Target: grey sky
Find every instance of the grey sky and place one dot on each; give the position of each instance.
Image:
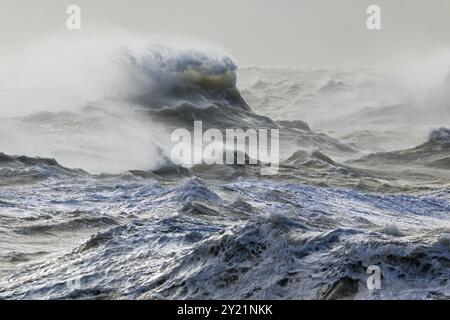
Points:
(304, 33)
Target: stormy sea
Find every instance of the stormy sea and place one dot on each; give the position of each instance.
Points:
(92, 206)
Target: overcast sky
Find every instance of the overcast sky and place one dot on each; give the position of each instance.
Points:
(300, 33)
